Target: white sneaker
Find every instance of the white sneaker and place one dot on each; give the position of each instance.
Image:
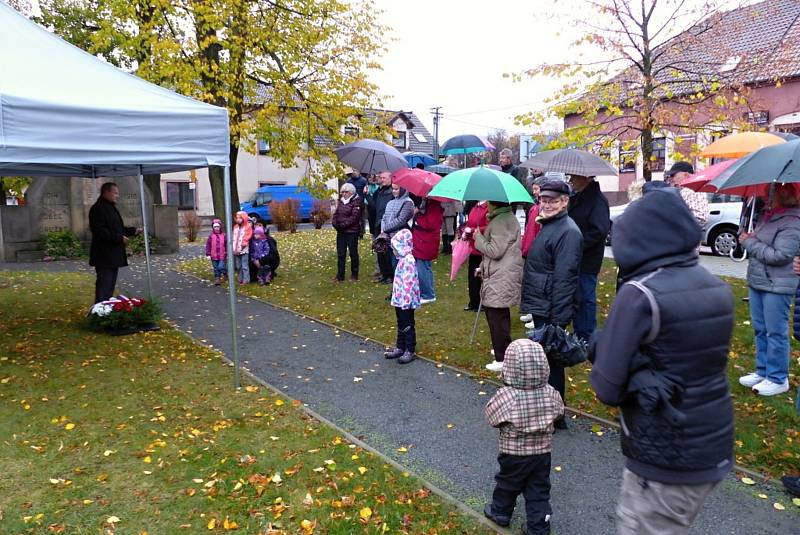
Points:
(527, 318)
(495, 366)
(768, 388)
(530, 325)
(750, 380)
(426, 301)
(491, 352)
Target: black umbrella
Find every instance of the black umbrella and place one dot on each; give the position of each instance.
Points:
(570, 162)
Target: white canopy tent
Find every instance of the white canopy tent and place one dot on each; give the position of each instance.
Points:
(64, 112)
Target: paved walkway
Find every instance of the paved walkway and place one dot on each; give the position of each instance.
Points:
(387, 405)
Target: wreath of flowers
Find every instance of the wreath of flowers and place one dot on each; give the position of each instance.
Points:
(123, 312)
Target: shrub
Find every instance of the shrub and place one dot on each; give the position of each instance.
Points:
(285, 214)
(190, 222)
(62, 244)
(136, 244)
(320, 213)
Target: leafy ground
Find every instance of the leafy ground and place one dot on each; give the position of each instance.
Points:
(145, 434)
(767, 437)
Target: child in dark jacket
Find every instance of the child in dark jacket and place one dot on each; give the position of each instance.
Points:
(217, 252)
(524, 411)
(259, 254)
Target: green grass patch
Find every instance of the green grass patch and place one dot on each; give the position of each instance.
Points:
(145, 434)
(767, 437)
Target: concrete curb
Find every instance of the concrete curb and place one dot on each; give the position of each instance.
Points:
(577, 412)
(444, 495)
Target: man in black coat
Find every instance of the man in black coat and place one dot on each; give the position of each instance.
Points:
(109, 236)
(550, 277)
(588, 207)
(378, 201)
(662, 359)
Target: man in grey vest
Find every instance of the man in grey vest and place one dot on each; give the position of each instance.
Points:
(661, 358)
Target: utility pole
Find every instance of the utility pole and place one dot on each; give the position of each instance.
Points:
(436, 115)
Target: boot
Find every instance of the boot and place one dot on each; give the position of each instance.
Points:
(407, 357)
(217, 281)
(394, 353)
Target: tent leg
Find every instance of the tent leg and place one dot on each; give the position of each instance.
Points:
(231, 275)
(146, 235)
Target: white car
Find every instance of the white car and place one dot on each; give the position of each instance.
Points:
(722, 228)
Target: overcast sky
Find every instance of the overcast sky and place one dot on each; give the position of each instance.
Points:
(453, 54)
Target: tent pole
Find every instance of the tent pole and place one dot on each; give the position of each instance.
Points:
(146, 237)
(231, 274)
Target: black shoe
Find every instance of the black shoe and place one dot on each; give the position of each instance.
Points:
(407, 357)
(470, 308)
(502, 521)
(560, 423)
(387, 281)
(792, 484)
(395, 353)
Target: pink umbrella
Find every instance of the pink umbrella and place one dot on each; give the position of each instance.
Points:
(461, 250)
(416, 181)
(700, 180)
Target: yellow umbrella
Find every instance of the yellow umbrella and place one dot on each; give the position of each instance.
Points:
(738, 145)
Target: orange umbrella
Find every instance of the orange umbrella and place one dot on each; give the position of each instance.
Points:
(738, 145)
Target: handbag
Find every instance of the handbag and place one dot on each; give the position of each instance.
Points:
(563, 348)
(381, 244)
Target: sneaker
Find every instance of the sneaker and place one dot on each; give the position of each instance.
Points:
(530, 326)
(792, 484)
(395, 353)
(407, 357)
(426, 301)
(495, 366)
(750, 380)
(560, 423)
(491, 352)
(527, 318)
(502, 521)
(768, 388)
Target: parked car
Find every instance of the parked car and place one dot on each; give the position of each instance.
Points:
(258, 204)
(720, 231)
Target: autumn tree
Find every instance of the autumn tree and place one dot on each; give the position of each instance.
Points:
(288, 71)
(653, 66)
(502, 140)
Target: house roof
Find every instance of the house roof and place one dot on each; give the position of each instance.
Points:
(416, 130)
(748, 45)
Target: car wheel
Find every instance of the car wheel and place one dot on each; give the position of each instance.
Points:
(723, 241)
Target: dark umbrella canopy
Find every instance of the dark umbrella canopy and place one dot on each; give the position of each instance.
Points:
(465, 144)
(441, 169)
(774, 164)
(570, 162)
(371, 156)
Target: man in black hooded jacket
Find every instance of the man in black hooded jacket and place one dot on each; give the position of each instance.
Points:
(661, 358)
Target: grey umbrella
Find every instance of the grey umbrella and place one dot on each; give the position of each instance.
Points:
(570, 162)
(371, 156)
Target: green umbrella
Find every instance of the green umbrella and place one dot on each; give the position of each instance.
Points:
(480, 184)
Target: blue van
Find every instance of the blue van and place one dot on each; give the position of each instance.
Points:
(258, 205)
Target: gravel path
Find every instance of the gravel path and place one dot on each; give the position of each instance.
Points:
(435, 413)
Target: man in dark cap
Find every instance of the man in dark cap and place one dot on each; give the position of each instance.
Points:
(697, 202)
(662, 359)
(550, 276)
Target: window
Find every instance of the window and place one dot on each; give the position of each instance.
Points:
(263, 146)
(627, 161)
(179, 194)
(399, 140)
(659, 157)
(351, 131)
(421, 138)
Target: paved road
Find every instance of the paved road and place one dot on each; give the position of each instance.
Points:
(718, 265)
(346, 380)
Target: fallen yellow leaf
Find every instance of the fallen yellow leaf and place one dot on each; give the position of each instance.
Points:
(796, 501)
(277, 478)
(70, 426)
(762, 496)
(108, 452)
(748, 481)
(365, 513)
(212, 524)
(308, 501)
(112, 520)
(778, 506)
(362, 470)
(229, 524)
(402, 449)
(251, 388)
(278, 402)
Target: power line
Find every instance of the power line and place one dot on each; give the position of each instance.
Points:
(448, 118)
(494, 109)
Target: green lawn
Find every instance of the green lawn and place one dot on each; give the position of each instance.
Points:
(145, 434)
(767, 428)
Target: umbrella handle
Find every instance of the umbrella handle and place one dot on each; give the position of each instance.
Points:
(475, 325)
(733, 257)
